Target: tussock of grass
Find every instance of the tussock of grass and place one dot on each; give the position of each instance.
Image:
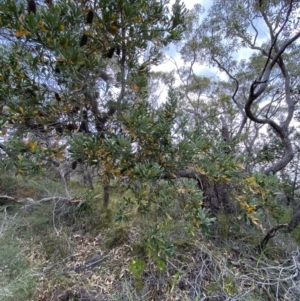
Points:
(17, 277)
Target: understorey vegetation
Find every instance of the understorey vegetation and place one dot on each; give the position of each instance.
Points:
(131, 174)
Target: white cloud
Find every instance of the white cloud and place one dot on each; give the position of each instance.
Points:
(190, 3)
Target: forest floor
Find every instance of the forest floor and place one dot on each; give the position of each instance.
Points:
(54, 247)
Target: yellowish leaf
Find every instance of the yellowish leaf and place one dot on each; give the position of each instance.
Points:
(33, 146)
(117, 173)
(21, 110)
(113, 28)
(60, 59)
(65, 108)
(144, 202)
(250, 180)
(240, 165)
(200, 170)
(4, 131)
(181, 190)
(226, 179)
(251, 208)
(109, 168)
(22, 32)
(135, 88)
(144, 192)
(168, 216)
(137, 19)
(60, 154)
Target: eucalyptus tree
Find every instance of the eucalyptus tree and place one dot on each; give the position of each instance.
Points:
(265, 82)
(249, 115)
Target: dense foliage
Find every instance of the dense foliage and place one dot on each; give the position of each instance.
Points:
(217, 152)
(77, 86)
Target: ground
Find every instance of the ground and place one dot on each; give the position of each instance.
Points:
(55, 248)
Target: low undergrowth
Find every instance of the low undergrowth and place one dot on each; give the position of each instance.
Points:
(58, 248)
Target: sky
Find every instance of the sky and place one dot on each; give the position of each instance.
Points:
(190, 3)
(172, 55)
(204, 70)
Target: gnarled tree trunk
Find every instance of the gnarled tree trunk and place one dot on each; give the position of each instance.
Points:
(215, 194)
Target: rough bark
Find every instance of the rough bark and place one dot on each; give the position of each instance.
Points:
(215, 195)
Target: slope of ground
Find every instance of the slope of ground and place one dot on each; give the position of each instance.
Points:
(54, 247)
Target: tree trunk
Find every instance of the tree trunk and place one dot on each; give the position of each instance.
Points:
(106, 194)
(215, 195)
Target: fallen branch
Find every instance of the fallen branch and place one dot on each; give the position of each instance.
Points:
(4, 221)
(5, 199)
(54, 198)
(293, 223)
(271, 233)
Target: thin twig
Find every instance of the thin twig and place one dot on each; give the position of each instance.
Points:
(4, 220)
